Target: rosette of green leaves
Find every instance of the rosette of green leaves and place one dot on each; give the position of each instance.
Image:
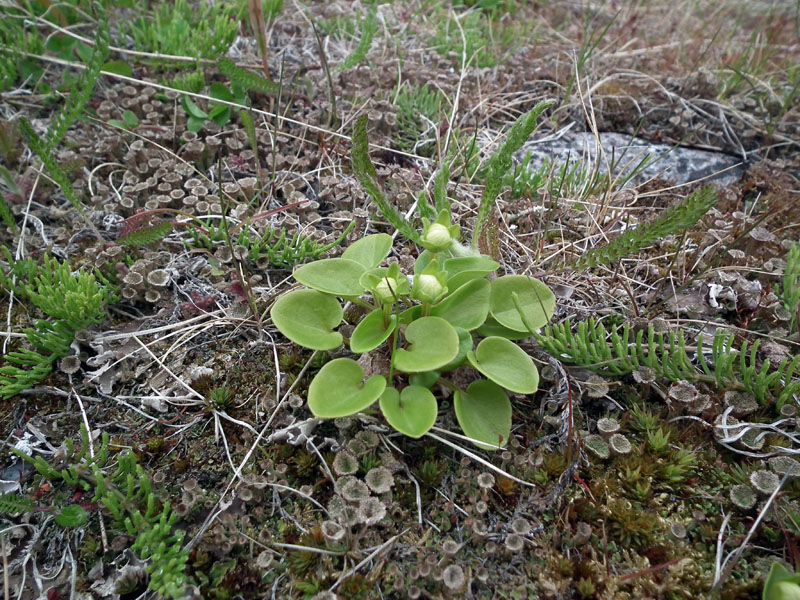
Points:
(452, 316)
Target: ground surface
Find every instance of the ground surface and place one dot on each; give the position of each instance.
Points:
(186, 370)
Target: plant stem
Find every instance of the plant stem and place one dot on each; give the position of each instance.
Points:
(395, 335)
(449, 384)
(331, 93)
(239, 266)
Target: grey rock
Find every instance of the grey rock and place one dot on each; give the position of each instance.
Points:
(623, 153)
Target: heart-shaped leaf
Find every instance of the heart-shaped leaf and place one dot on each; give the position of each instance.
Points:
(336, 276)
(467, 307)
(371, 332)
(412, 412)
(464, 346)
(369, 251)
(338, 390)
(534, 298)
(307, 317)
(492, 327)
(465, 268)
(506, 364)
(484, 413)
(433, 344)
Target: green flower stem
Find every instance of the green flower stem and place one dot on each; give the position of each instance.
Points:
(449, 384)
(363, 304)
(395, 335)
(522, 315)
(387, 313)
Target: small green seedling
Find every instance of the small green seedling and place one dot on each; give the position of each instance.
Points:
(129, 121)
(448, 315)
(218, 112)
(781, 585)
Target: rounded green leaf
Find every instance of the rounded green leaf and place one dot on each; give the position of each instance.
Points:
(307, 317)
(371, 332)
(432, 344)
(492, 327)
(412, 412)
(411, 314)
(535, 299)
(72, 516)
(118, 67)
(423, 260)
(467, 307)
(506, 364)
(465, 268)
(464, 346)
(192, 108)
(484, 413)
(338, 390)
(780, 584)
(369, 251)
(219, 91)
(426, 379)
(336, 276)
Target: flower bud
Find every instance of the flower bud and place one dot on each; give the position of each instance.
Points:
(437, 238)
(439, 235)
(386, 290)
(427, 288)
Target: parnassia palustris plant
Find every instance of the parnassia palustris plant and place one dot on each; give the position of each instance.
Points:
(448, 314)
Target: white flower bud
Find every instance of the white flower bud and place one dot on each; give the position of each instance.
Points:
(386, 289)
(428, 288)
(437, 238)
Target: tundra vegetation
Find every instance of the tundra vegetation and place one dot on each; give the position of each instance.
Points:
(294, 307)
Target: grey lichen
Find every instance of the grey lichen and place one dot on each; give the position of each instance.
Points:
(765, 482)
(454, 578)
(521, 526)
(781, 465)
(597, 446)
(607, 427)
(158, 278)
(69, 364)
(741, 404)
(333, 532)
(371, 511)
(352, 489)
(345, 463)
(743, 496)
(683, 394)
(380, 480)
(514, 543)
(619, 445)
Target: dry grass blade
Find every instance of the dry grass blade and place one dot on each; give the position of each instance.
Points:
(259, 28)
